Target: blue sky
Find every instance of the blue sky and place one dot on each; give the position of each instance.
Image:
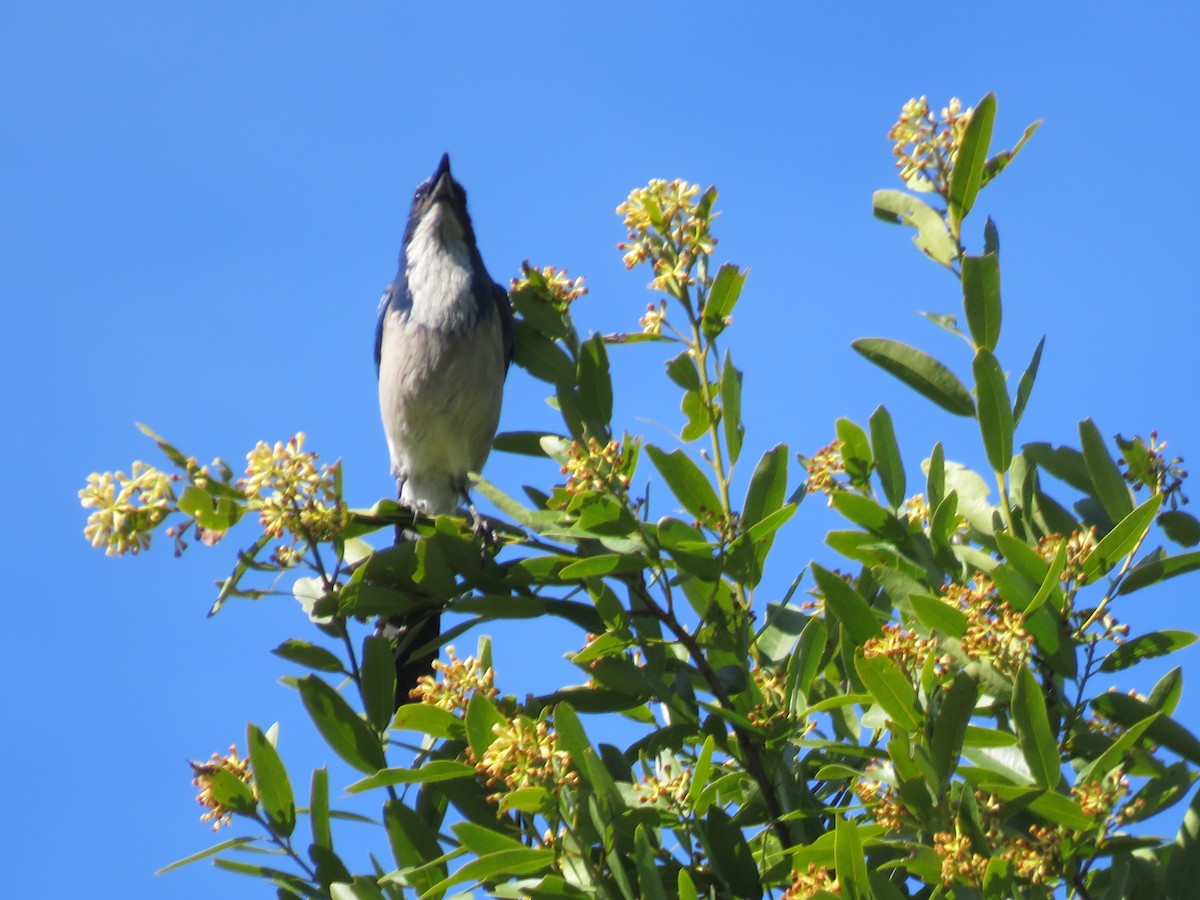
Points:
(201, 203)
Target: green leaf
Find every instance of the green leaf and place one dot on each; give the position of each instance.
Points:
(1158, 568)
(995, 411)
(935, 476)
(602, 564)
(851, 866)
(345, 733)
(730, 854)
(309, 655)
(1025, 385)
(230, 791)
(1182, 528)
(231, 844)
(649, 883)
(686, 482)
(1122, 540)
(271, 778)
(414, 846)
(481, 716)
(1033, 729)
(847, 606)
(1183, 865)
(997, 163)
(991, 238)
(1128, 711)
(887, 457)
(540, 356)
(523, 443)
(856, 450)
(1064, 463)
(1108, 484)
(966, 178)
(433, 771)
(981, 299)
(1115, 755)
(595, 384)
(682, 371)
(731, 407)
(426, 719)
(722, 297)
(891, 689)
(480, 840)
(522, 861)
(870, 515)
(955, 708)
(938, 615)
(318, 808)
(1146, 646)
(1164, 791)
(378, 681)
(768, 486)
(932, 237)
(920, 371)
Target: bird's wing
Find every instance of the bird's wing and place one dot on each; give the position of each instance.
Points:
(504, 308)
(385, 303)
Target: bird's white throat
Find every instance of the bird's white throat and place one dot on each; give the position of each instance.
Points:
(439, 271)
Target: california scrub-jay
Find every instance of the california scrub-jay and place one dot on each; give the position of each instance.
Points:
(443, 344)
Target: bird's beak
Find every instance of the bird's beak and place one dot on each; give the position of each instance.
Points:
(442, 180)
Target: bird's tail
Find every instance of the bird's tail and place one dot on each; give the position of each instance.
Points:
(413, 637)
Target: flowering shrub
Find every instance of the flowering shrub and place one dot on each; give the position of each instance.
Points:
(925, 724)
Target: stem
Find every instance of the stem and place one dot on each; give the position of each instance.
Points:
(746, 740)
(285, 845)
(1113, 584)
(1005, 512)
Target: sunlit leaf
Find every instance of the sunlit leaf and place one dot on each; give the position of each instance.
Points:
(1025, 385)
(1107, 482)
(920, 371)
(887, 456)
(346, 734)
(932, 237)
(966, 178)
(271, 779)
(1033, 729)
(686, 481)
(981, 299)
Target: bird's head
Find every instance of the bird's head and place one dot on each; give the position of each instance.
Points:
(439, 210)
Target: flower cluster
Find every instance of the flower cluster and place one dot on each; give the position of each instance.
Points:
(1079, 547)
(883, 803)
(904, 647)
(655, 316)
(824, 467)
(202, 778)
(926, 148)
(663, 785)
(593, 466)
(994, 631)
(1098, 798)
(127, 509)
(524, 754)
(959, 861)
(771, 684)
(461, 679)
(1147, 466)
(1037, 859)
(294, 496)
(813, 880)
(669, 225)
(550, 285)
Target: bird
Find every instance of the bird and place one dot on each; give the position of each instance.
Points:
(443, 346)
